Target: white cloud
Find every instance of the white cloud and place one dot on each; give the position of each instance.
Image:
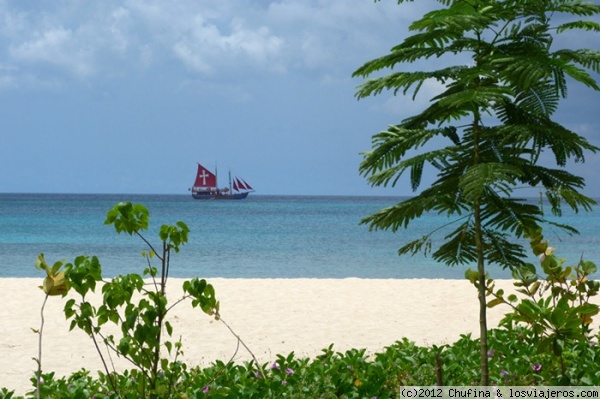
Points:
(204, 36)
(259, 44)
(336, 35)
(204, 46)
(57, 47)
(120, 21)
(191, 58)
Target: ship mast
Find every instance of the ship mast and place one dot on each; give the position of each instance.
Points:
(216, 178)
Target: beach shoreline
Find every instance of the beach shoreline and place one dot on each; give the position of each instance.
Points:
(272, 316)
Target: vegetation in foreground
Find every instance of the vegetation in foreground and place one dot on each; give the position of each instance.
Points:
(355, 374)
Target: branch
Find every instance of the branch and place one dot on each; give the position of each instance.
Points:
(148, 244)
(39, 359)
(241, 342)
(108, 375)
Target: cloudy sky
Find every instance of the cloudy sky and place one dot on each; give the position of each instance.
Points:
(127, 96)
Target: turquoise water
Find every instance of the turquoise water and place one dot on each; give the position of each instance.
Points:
(260, 237)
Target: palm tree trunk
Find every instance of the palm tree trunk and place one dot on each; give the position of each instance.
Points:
(482, 297)
(485, 377)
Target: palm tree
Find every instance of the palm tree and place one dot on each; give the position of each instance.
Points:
(484, 133)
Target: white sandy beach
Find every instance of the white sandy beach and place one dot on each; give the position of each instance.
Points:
(273, 316)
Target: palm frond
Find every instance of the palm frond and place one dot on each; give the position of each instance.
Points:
(386, 163)
(574, 7)
(543, 133)
(478, 178)
(439, 159)
(589, 26)
(458, 247)
(570, 230)
(509, 214)
(581, 76)
(399, 54)
(540, 99)
(499, 250)
(574, 199)
(392, 144)
(400, 215)
(550, 178)
(435, 40)
(422, 244)
(458, 18)
(403, 81)
(587, 58)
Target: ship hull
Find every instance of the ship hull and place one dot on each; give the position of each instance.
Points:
(219, 196)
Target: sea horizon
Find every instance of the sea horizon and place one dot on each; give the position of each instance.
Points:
(263, 236)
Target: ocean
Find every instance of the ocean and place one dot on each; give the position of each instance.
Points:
(260, 237)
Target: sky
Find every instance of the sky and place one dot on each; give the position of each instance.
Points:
(128, 96)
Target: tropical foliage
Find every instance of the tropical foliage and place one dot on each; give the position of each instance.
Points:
(557, 309)
(353, 373)
(487, 131)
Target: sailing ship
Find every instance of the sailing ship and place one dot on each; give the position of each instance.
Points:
(206, 188)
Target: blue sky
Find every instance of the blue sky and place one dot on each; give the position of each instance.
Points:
(127, 96)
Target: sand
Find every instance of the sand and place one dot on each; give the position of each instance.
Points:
(272, 316)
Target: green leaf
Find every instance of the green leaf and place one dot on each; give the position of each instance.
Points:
(588, 267)
(588, 309)
(540, 248)
(494, 302)
(472, 276)
(127, 217)
(124, 346)
(169, 328)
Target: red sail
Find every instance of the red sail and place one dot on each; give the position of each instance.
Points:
(239, 184)
(246, 184)
(235, 186)
(205, 178)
